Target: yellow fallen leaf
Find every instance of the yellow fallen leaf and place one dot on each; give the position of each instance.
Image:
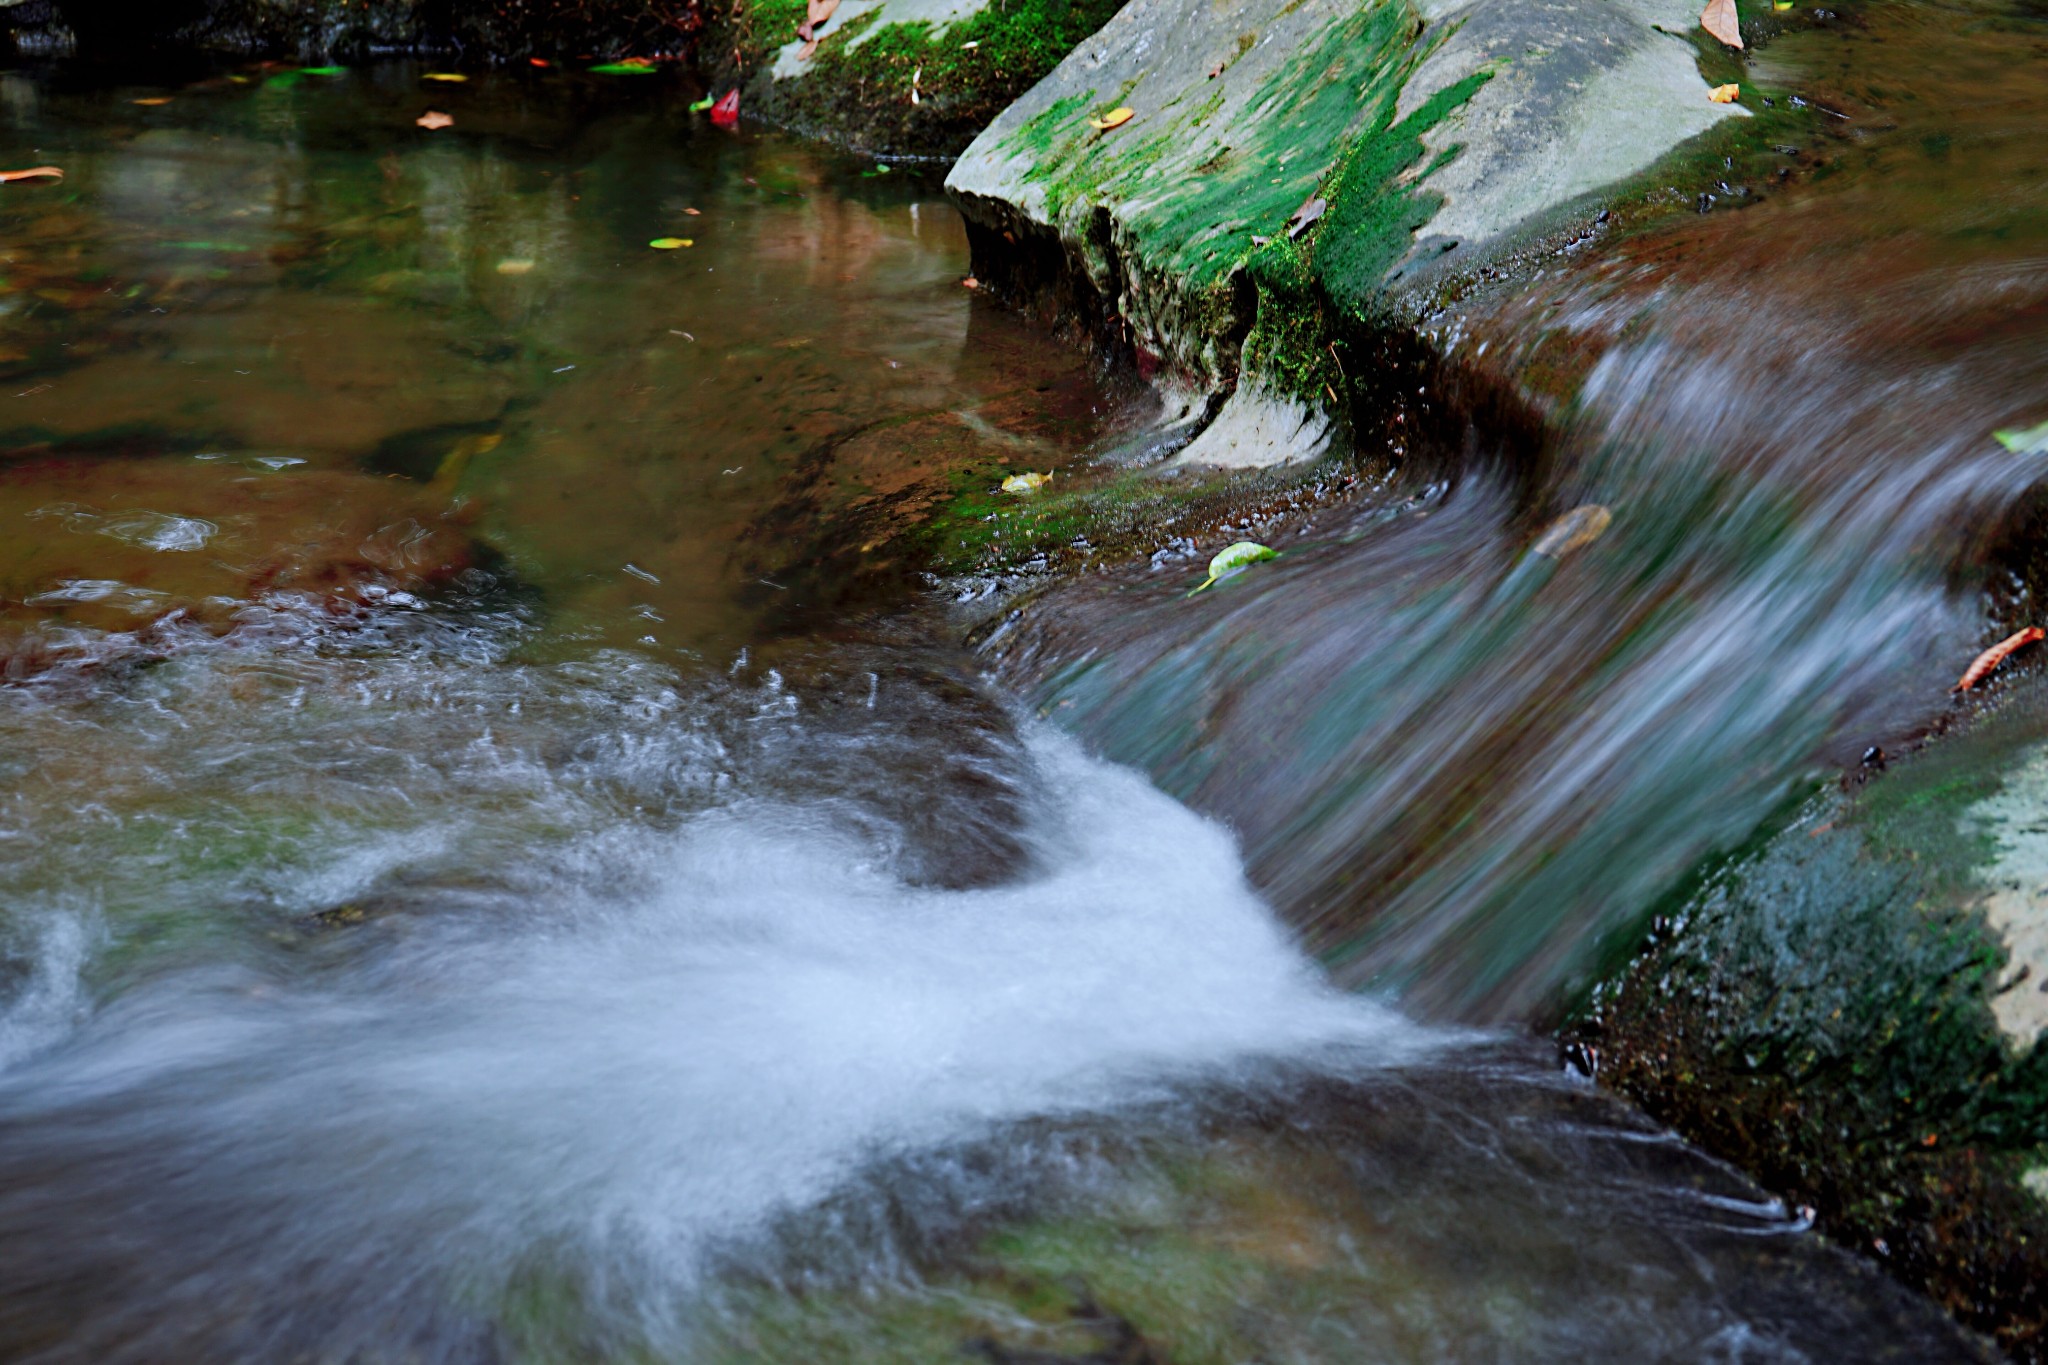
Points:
(1115, 118)
(670, 243)
(1781, 5)
(1719, 18)
(1026, 483)
(449, 76)
(1724, 94)
(434, 118)
(515, 266)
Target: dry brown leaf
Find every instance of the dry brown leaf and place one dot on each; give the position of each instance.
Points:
(1994, 656)
(434, 118)
(1724, 94)
(1719, 18)
(34, 173)
(1311, 209)
(816, 13)
(1573, 531)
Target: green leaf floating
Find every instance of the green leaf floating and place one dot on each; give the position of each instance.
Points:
(2032, 441)
(322, 70)
(701, 105)
(623, 69)
(1230, 560)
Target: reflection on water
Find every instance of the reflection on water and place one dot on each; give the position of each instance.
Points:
(482, 883)
(283, 309)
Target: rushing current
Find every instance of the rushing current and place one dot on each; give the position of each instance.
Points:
(494, 867)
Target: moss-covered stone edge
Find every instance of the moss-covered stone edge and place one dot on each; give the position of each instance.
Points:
(1815, 1008)
(857, 87)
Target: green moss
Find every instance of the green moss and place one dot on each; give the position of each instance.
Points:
(1218, 199)
(859, 82)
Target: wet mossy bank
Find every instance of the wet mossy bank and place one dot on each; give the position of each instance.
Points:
(1851, 1012)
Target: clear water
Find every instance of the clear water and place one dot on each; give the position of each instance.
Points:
(489, 874)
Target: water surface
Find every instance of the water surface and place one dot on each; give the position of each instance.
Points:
(492, 874)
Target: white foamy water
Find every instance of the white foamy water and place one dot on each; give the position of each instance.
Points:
(629, 1078)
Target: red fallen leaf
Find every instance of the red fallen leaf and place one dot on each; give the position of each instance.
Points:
(1719, 18)
(726, 113)
(34, 173)
(537, 61)
(1994, 656)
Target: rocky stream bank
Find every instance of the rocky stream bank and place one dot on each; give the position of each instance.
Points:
(1412, 281)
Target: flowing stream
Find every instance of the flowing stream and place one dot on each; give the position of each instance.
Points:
(493, 871)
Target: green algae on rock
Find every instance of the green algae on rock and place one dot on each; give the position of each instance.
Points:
(903, 78)
(1187, 223)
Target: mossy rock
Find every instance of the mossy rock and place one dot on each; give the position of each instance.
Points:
(1852, 1013)
(895, 78)
(1289, 167)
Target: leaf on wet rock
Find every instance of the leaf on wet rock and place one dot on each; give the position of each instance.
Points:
(671, 243)
(1026, 482)
(1575, 530)
(34, 173)
(434, 118)
(1115, 118)
(1233, 559)
(1312, 208)
(1724, 94)
(1719, 18)
(2030, 441)
(1994, 656)
(816, 13)
(726, 113)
